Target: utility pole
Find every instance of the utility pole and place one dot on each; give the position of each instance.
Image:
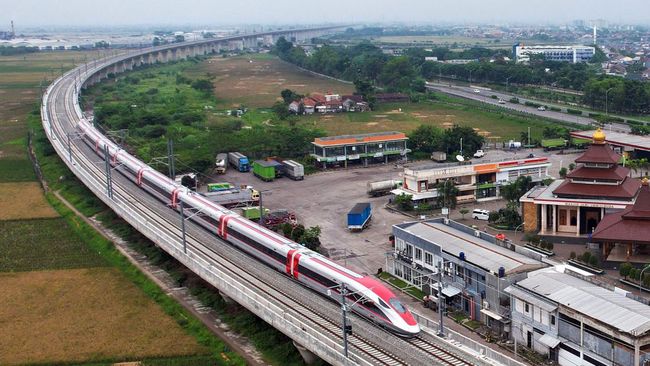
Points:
(109, 180)
(170, 159)
(261, 210)
(183, 226)
(528, 135)
(441, 328)
(344, 292)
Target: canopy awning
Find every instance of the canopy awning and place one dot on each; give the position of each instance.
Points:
(450, 291)
(549, 340)
(492, 315)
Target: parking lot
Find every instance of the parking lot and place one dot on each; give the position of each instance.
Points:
(325, 198)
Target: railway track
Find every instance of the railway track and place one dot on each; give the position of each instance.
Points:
(378, 355)
(168, 223)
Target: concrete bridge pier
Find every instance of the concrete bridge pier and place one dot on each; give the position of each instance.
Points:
(306, 354)
(227, 299)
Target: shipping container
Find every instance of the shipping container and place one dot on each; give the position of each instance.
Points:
(253, 213)
(239, 161)
(223, 186)
(264, 170)
(221, 162)
(439, 156)
(293, 170)
(359, 216)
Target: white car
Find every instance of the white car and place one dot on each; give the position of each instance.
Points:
(501, 101)
(479, 154)
(541, 108)
(476, 91)
(479, 214)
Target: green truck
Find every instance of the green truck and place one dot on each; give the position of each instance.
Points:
(265, 170)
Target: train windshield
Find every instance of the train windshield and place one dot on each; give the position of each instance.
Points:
(397, 305)
(383, 304)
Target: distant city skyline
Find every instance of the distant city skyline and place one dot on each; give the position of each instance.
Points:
(68, 13)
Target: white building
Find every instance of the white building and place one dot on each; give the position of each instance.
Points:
(577, 322)
(572, 54)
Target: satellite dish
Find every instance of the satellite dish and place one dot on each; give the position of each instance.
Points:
(460, 158)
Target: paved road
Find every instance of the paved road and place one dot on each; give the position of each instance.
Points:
(485, 96)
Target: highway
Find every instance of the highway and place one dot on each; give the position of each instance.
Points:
(485, 96)
(309, 319)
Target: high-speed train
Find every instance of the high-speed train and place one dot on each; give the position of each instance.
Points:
(370, 297)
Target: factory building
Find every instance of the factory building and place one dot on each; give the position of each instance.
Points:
(573, 54)
(370, 148)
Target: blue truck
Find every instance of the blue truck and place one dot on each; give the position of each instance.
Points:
(359, 216)
(239, 161)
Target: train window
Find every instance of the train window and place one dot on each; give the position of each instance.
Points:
(397, 305)
(383, 304)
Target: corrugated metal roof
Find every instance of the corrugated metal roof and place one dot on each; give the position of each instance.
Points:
(477, 251)
(529, 298)
(599, 303)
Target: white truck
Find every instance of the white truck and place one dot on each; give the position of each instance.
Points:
(221, 162)
(383, 187)
(479, 154)
(233, 196)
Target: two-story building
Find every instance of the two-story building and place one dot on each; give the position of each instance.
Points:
(475, 267)
(475, 181)
(378, 147)
(576, 321)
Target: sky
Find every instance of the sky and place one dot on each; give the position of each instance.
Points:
(30, 13)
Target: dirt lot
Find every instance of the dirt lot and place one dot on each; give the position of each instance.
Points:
(90, 314)
(256, 80)
(324, 199)
(23, 201)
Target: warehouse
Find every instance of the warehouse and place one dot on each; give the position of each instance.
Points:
(476, 267)
(370, 148)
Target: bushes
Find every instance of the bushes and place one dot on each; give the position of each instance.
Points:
(555, 109)
(576, 112)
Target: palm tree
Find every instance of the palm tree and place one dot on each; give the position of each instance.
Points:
(447, 193)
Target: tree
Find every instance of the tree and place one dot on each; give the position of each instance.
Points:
(463, 211)
(282, 46)
(425, 138)
(289, 96)
(514, 190)
(625, 269)
(156, 41)
(563, 172)
(471, 140)
(311, 238)
(280, 110)
(404, 202)
(203, 85)
(447, 192)
(179, 38)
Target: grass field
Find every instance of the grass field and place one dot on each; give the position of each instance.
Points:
(23, 201)
(494, 126)
(28, 245)
(257, 80)
(83, 315)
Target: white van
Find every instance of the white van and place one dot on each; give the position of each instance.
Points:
(479, 214)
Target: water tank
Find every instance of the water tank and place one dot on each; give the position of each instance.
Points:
(502, 272)
(462, 256)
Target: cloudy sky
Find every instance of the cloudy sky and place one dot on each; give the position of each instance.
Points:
(216, 12)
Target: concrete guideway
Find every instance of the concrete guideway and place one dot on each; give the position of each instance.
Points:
(271, 296)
